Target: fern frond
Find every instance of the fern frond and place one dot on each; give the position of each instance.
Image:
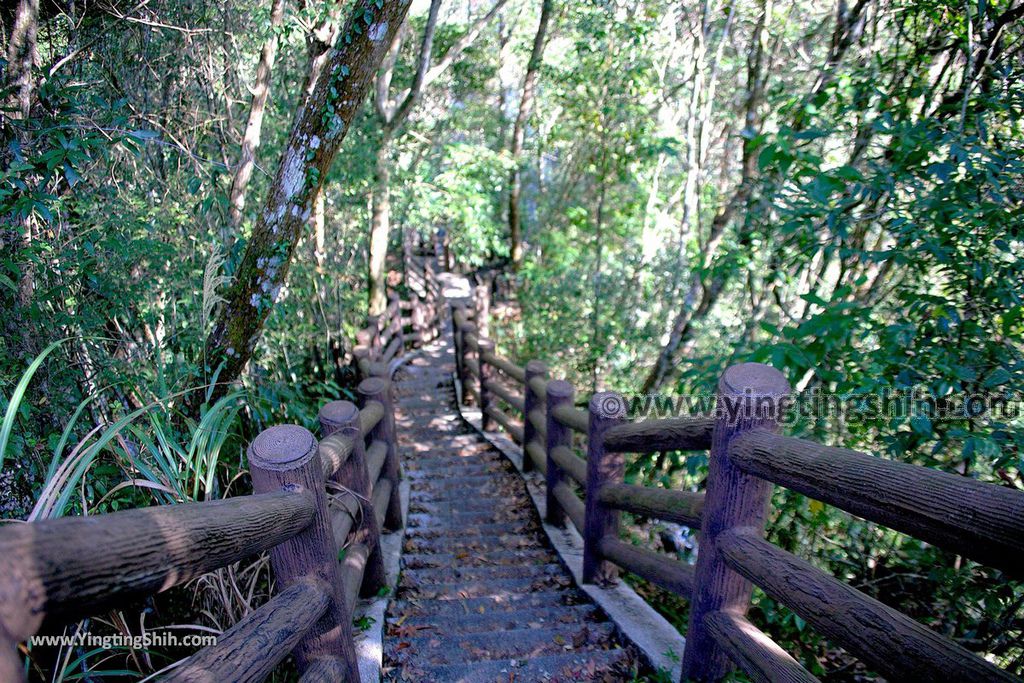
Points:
(213, 281)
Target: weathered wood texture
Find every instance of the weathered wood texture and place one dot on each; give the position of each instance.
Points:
(670, 574)
(285, 457)
(506, 422)
(485, 348)
(251, 649)
(505, 366)
(537, 456)
(570, 463)
(982, 521)
(533, 406)
(602, 468)
(557, 393)
(378, 390)
(652, 436)
(571, 416)
(66, 569)
(889, 641)
(573, 507)
(682, 507)
(342, 417)
(498, 389)
(757, 654)
(750, 397)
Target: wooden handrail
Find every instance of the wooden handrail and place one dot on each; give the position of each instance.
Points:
(507, 367)
(757, 654)
(502, 392)
(672, 575)
(652, 436)
(251, 649)
(888, 640)
(65, 569)
(982, 521)
(681, 507)
(571, 417)
(571, 464)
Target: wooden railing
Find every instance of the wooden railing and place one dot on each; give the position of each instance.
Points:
(318, 507)
(747, 458)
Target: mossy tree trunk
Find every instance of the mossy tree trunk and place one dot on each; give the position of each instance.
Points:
(316, 135)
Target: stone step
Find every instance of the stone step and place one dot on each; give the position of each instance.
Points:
(440, 544)
(411, 578)
(532, 618)
(482, 588)
(512, 528)
(441, 648)
(487, 604)
(606, 665)
(464, 518)
(467, 558)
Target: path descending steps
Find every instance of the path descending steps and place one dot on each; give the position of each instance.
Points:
(482, 596)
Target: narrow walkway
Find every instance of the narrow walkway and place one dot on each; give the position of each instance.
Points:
(482, 595)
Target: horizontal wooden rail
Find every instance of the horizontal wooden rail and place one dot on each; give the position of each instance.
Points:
(353, 565)
(539, 422)
(335, 451)
(473, 367)
(887, 640)
(536, 453)
(539, 386)
(757, 654)
(571, 504)
(670, 574)
(376, 454)
(572, 417)
(370, 415)
(381, 496)
(652, 436)
(252, 648)
(571, 464)
(681, 507)
(982, 521)
(507, 367)
(506, 422)
(65, 569)
(502, 392)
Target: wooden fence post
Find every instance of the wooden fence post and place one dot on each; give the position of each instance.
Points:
(343, 417)
(470, 348)
(482, 305)
(486, 375)
(606, 409)
(559, 392)
(459, 310)
(531, 401)
(750, 396)
(379, 389)
(286, 457)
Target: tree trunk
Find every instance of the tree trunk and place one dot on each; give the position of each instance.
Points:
(316, 135)
(519, 134)
(701, 297)
(21, 54)
(380, 226)
(254, 127)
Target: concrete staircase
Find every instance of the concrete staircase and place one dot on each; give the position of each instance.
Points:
(482, 595)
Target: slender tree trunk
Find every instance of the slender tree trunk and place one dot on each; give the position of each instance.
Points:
(21, 54)
(254, 126)
(316, 135)
(380, 226)
(701, 297)
(519, 133)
